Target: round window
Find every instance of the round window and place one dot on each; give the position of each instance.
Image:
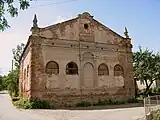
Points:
(86, 26)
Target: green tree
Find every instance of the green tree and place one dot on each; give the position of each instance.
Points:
(1, 82)
(146, 66)
(17, 52)
(4, 82)
(11, 81)
(9, 6)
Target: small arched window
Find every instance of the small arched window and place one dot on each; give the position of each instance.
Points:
(71, 68)
(52, 68)
(103, 70)
(118, 70)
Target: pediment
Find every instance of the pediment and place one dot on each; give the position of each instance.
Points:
(83, 28)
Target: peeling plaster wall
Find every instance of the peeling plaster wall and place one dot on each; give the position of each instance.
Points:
(62, 57)
(103, 35)
(67, 31)
(25, 80)
(74, 30)
(110, 81)
(91, 46)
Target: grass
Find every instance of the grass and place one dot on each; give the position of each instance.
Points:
(105, 102)
(32, 104)
(39, 104)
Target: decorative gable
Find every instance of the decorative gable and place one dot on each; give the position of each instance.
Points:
(86, 27)
(81, 28)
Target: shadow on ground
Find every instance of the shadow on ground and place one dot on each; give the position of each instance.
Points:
(104, 107)
(132, 105)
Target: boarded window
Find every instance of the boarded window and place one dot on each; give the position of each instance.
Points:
(52, 68)
(103, 69)
(118, 70)
(71, 68)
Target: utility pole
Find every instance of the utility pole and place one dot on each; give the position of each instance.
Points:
(12, 65)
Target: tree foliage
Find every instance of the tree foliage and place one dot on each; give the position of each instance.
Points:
(10, 82)
(9, 6)
(146, 66)
(1, 82)
(17, 52)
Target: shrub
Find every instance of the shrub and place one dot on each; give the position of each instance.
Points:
(158, 90)
(132, 100)
(155, 90)
(38, 104)
(140, 98)
(33, 104)
(100, 102)
(156, 114)
(114, 102)
(150, 91)
(83, 104)
(20, 103)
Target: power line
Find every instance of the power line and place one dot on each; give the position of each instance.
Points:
(41, 0)
(54, 3)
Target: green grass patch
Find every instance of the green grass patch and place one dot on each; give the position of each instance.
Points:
(83, 104)
(33, 104)
(39, 104)
(105, 102)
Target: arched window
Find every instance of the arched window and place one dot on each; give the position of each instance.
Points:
(52, 68)
(27, 70)
(71, 68)
(118, 70)
(103, 69)
(24, 77)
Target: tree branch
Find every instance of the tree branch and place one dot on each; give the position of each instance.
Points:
(146, 83)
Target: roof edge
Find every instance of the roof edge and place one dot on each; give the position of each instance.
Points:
(26, 46)
(54, 25)
(109, 29)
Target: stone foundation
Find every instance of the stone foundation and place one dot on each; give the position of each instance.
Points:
(63, 98)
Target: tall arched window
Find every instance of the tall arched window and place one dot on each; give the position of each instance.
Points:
(27, 70)
(118, 70)
(71, 68)
(24, 77)
(52, 68)
(103, 70)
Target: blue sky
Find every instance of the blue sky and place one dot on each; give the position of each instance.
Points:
(141, 17)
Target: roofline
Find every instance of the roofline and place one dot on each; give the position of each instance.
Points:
(54, 25)
(26, 46)
(109, 29)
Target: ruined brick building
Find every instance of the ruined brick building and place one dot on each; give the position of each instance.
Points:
(79, 59)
